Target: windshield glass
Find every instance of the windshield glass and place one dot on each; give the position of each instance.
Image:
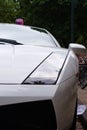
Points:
(27, 35)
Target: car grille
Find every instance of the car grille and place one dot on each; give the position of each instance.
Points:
(38, 115)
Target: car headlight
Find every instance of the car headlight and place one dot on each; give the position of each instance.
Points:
(47, 72)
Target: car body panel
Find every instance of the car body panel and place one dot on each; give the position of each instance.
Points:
(19, 62)
(10, 94)
(67, 88)
(14, 58)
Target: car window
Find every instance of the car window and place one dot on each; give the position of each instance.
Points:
(27, 35)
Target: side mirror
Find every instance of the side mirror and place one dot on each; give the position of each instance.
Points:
(80, 50)
(77, 48)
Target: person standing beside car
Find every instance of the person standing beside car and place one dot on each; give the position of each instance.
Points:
(19, 21)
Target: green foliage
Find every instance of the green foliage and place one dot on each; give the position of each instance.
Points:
(7, 11)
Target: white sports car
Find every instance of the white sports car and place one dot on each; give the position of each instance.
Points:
(38, 80)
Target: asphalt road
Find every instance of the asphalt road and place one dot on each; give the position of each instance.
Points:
(82, 99)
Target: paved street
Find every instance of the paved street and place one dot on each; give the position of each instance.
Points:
(82, 99)
(79, 126)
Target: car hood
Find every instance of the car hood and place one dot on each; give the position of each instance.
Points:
(17, 62)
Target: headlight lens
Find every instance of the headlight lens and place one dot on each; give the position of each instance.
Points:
(47, 72)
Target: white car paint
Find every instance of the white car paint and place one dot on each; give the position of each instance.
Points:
(17, 62)
(66, 93)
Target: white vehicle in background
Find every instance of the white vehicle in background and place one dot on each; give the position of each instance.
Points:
(38, 80)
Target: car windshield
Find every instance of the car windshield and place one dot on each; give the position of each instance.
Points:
(26, 35)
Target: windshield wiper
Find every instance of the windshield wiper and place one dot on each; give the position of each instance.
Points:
(10, 41)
